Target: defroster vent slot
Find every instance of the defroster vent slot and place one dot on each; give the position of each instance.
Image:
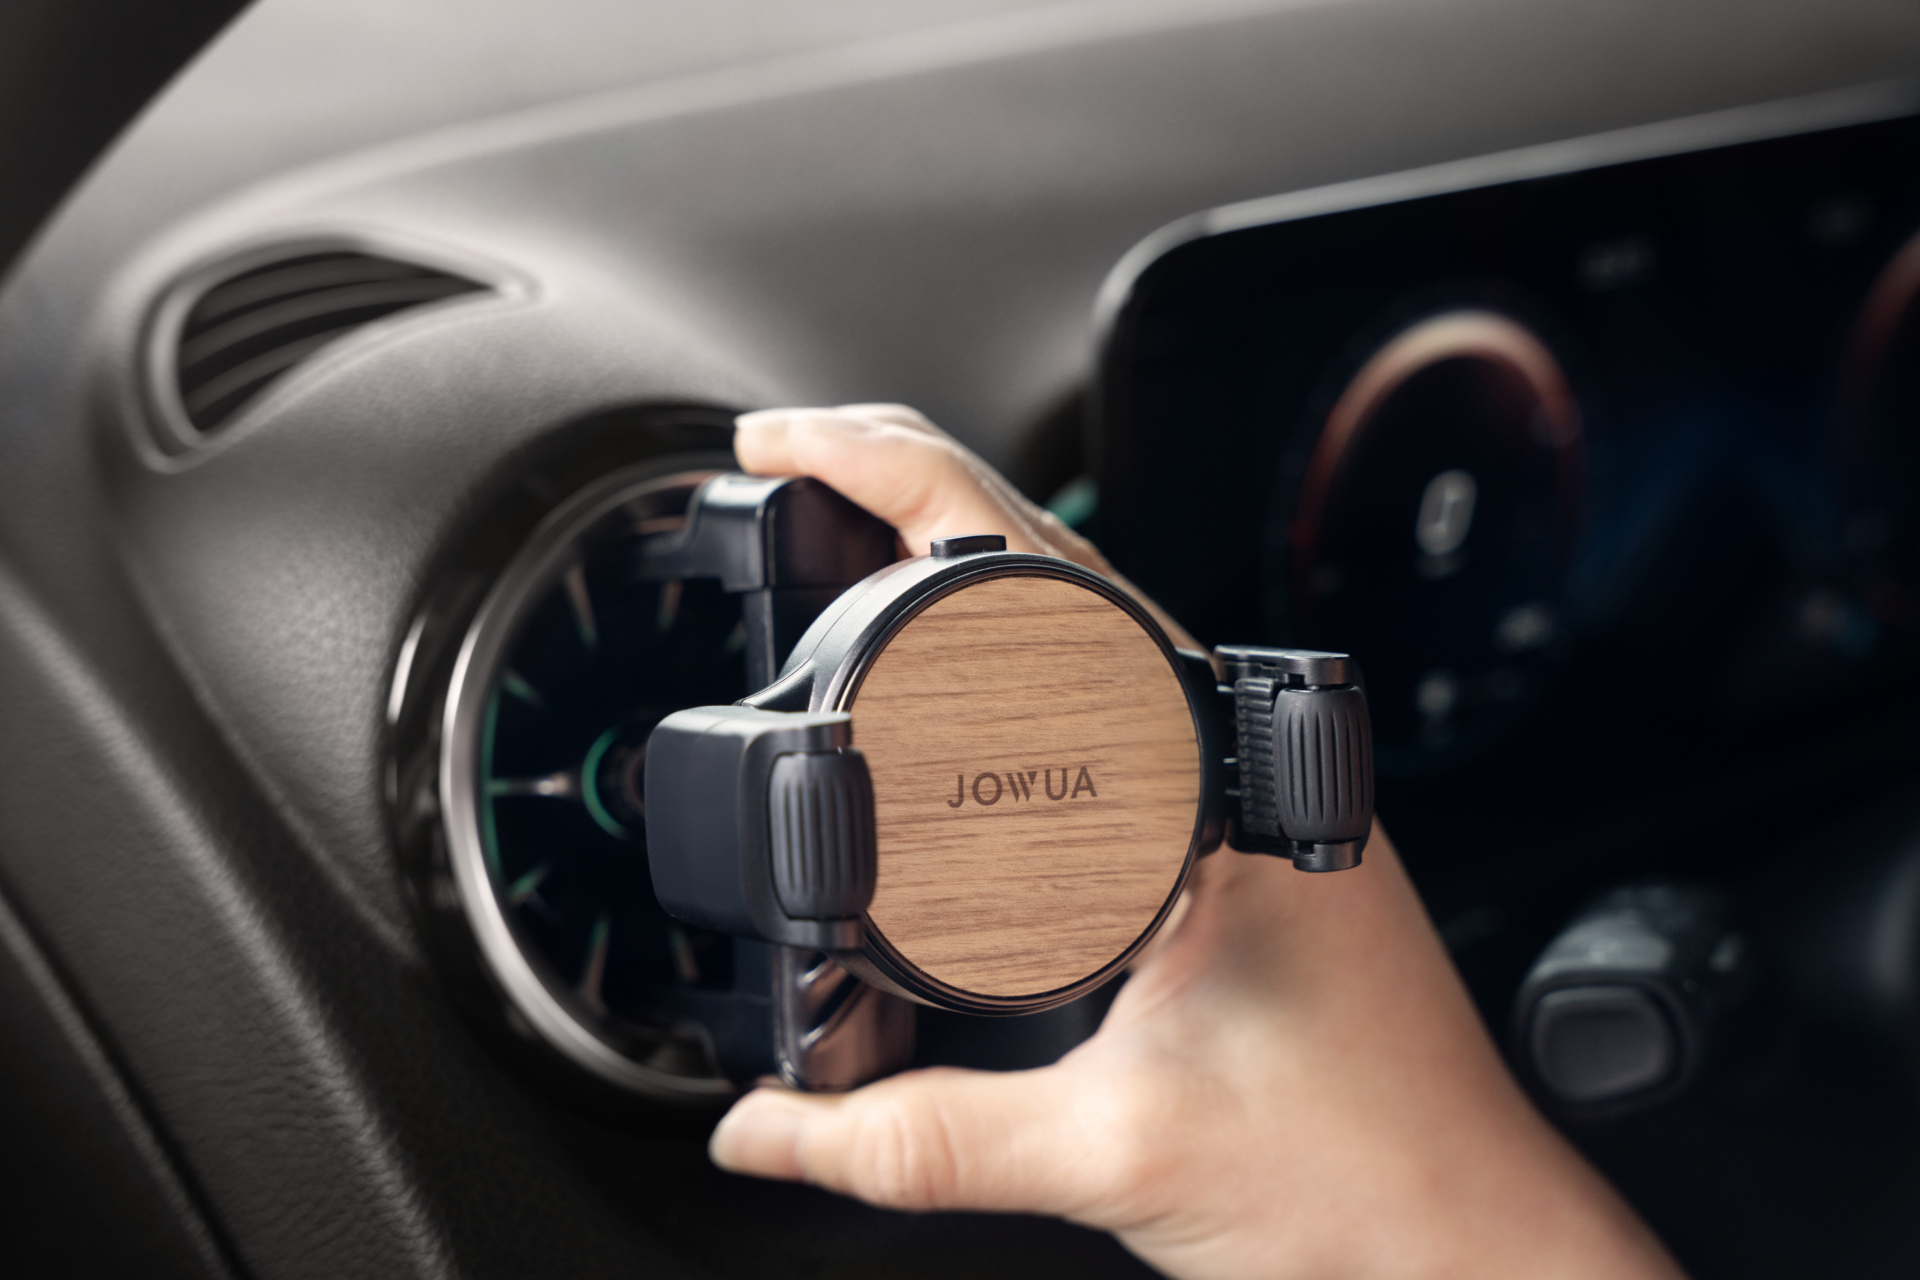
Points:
(243, 334)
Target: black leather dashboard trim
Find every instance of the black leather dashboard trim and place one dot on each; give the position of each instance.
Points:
(85, 1162)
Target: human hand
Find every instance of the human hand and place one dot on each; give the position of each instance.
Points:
(923, 482)
(1292, 1081)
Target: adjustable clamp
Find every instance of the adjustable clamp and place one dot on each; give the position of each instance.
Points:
(1303, 762)
(786, 547)
(760, 824)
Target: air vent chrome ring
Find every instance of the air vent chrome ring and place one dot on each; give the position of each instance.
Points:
(565, 667)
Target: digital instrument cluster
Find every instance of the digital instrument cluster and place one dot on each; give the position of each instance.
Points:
(1603, 459)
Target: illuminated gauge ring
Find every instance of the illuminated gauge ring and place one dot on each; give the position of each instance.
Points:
(571, 602)
(1879, 443)
(1385, 555)
(1887, 311)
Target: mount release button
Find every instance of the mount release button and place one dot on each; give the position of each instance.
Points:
(968, 545)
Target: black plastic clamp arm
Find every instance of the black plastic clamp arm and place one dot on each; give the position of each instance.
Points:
(786, 545)
(1304, 756)
(763, 824)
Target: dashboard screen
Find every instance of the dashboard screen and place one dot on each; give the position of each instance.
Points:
(1609, 478)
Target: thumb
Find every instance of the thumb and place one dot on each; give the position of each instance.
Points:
(938, 1139)
(891, 462)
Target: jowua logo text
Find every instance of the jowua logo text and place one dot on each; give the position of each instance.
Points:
(1070, 783)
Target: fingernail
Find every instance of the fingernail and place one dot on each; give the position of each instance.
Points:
(761, 1135)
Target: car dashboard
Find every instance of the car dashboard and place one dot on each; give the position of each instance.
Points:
(1560, 367)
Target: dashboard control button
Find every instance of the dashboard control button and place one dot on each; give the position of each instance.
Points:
(1598, 1043)
(1624, 1008)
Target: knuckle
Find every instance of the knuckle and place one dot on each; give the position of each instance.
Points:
(910, 1160)
(1134, 1161)
(908, 416)
(941, 486)
(1139, 1124)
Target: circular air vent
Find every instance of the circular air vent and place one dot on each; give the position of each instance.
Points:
(523, 699)
(570, 663)
(220, 346)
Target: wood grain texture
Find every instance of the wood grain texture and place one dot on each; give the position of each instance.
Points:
(1036, 777)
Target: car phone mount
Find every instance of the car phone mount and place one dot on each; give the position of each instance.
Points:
(1038, 767)
(787, 548)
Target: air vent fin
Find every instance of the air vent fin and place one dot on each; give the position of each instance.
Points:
(244, 333)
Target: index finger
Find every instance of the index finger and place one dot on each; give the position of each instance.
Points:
(907, 473)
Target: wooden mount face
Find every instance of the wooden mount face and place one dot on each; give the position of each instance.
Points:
(1036, 779)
